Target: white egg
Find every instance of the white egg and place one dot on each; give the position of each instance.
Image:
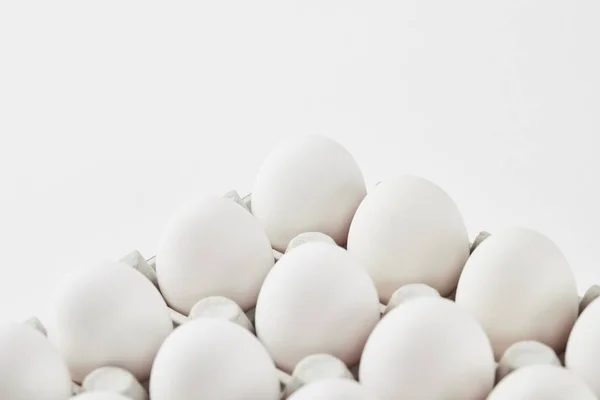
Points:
(543, 382)
(100, 396)
(428, 348)
(333, 389)
(212, 247)
(317, 299)
(583, 347)
(307, 184)
(210, 358)
(408, 230)
(30, 367)
(109, 314)
(519, 286)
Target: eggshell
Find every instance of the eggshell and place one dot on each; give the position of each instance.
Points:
(583, 347)
(212, 247)
(333, 389)
(408, 230)
(30, 367)
(210, 358)
(100, 396)
(317, 299)
(307, 184)
(109, 314)
(428, 348)
(519, 286)
(543, 382)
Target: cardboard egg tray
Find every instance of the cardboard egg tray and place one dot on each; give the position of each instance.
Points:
(285, 379)
(289, 383)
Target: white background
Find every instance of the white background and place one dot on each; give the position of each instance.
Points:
(113, 112)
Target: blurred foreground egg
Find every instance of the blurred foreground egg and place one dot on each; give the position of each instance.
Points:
(308, 184)
(543, 382)
(30, 367)
(209, 358)
(108, 315)
(212, 247)
(519, 286)
(332, 389)
(100, 396)
(317, 299)
(428, 348)
(583, 347)
(408, 230)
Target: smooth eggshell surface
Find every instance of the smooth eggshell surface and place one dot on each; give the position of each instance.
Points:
(209, 358)
(307, 184)
(30, 367)
(317, 299)
(212, 247)
(333, 389)
(543, 382)
(428, 348)
(583, 347)
(109, 314)
(519, 286)
(408, 230)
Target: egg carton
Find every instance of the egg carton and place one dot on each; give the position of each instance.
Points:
(313, 367)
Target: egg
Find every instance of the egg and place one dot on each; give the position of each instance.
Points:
(428, 348)
(332, 389)
(583, 348)
(30, 367)
(307, 184)
(210, 358)
(408, 230)
(547, 382)
(109, 314)
(100, 396)
(212, 247)
(519, 286)
(317, 299)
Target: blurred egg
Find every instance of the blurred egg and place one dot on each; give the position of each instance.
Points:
(100, 396)
(307, 184)
(210, 358)
(519, 286)
(212, 247)
(428, 348)
(317, 299)
(332, 389)
(30, 367)
(543, 382)
(408, 230)
(583, 347)
(109, 314)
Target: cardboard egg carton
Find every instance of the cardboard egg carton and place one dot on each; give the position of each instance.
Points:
(313, 367)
